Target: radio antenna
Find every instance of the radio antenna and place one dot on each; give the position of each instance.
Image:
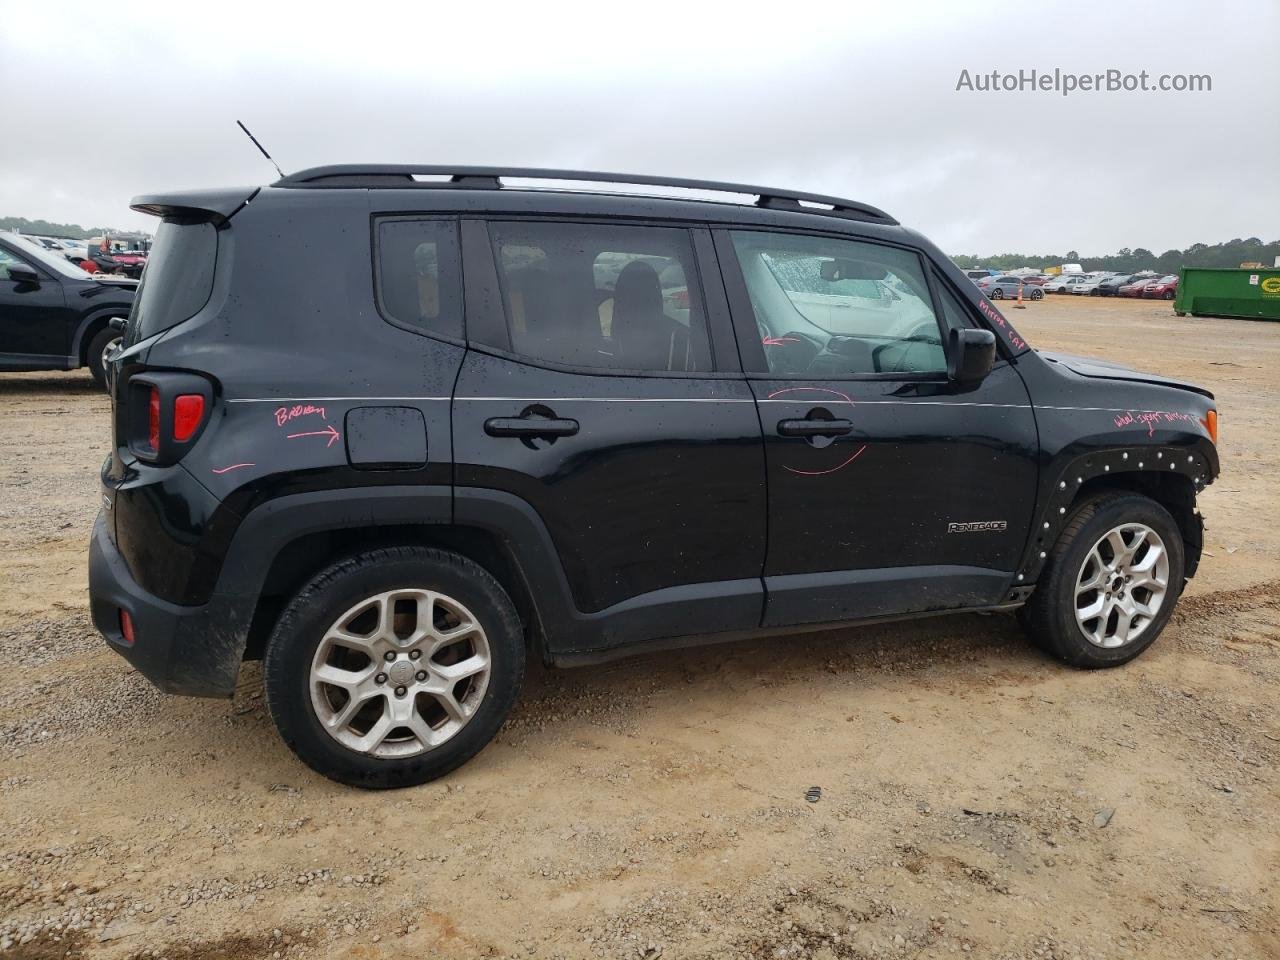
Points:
(261, 148)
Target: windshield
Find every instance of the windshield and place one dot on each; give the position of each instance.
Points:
(50, 261)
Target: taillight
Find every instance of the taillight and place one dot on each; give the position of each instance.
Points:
(166, 414)
(126, 627)
(188, 412)
(153, 419)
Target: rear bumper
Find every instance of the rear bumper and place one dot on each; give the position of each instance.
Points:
(193, 650)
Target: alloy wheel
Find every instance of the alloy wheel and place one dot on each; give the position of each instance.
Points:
(112, 346)
(400, 673)
(1122, 585)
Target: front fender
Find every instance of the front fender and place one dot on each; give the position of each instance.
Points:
(1184, 462)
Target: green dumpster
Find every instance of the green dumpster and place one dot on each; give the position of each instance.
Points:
(1229, 292)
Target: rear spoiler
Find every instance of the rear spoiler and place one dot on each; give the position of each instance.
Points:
(215, 206)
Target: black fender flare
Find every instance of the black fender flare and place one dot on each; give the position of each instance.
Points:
(79, 340)
(269, 527)
(1194, 458)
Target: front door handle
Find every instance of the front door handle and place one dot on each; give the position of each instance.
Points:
(530, 426)
(815, 428)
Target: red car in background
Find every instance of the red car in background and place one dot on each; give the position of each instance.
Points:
(1135, 288)
(1166, 288)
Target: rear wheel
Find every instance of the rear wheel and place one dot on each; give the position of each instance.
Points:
(394, 667)
(1110, 583)
(1167, 295)
(104, 343)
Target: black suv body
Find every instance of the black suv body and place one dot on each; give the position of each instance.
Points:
(581, 423)
(55, 316)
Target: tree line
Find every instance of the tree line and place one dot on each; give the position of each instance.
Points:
(1229, 254)
(43, 228)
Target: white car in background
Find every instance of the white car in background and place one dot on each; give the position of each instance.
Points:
(1089, 288)
(1063, 283)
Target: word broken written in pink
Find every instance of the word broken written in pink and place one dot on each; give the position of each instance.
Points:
(1150, 418)
(285, 414)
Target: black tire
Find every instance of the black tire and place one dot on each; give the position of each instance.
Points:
(93, 356)
(293, 644)
(997, 294)
(1049, 616)
(1168, 295)
(1037, 294)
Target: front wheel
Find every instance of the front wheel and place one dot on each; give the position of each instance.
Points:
(1037, 294)
(1168, 295)
(104, 343)
(393, 667)
(997, 294)
(1110, 583)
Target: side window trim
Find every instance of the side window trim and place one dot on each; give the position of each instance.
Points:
(487, 328)
(751, 349)
(375, 222)
(485, 316)
(725, 357)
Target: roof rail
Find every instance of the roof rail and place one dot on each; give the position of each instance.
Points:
(490, 178)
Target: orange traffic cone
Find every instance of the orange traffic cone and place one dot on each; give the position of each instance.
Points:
(1019, 305)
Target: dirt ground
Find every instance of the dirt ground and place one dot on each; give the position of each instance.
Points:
(976, 798)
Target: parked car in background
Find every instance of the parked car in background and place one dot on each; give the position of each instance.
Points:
(1111, 285)
(1090, 286)
(112, 256)
(1063, 283)
(1006, 287)
(1166, 288)
(1037, 279)
(976, 274)
(1133, 288)
(53, 315)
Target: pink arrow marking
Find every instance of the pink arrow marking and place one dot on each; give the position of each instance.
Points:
(823, 473)
(778, 341)
(328, 431)
(234, 466)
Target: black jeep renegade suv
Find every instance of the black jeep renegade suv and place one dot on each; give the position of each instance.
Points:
(394, 429)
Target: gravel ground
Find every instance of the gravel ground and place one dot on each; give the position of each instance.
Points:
(976, 798)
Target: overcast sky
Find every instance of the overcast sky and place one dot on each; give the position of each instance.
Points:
(854, 99)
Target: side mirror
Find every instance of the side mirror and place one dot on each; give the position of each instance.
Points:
(971, 352)
(21, 273)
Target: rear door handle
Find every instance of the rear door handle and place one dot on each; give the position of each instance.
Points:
(530, 427)
(815, 428)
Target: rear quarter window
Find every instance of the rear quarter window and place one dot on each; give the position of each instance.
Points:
(419, 275)
(178, 278)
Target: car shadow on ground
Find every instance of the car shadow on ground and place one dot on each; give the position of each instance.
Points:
(73, 382)
(558, 703)
(900, 647)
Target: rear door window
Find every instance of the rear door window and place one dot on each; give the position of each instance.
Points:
(178, 278)
(619, 298)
